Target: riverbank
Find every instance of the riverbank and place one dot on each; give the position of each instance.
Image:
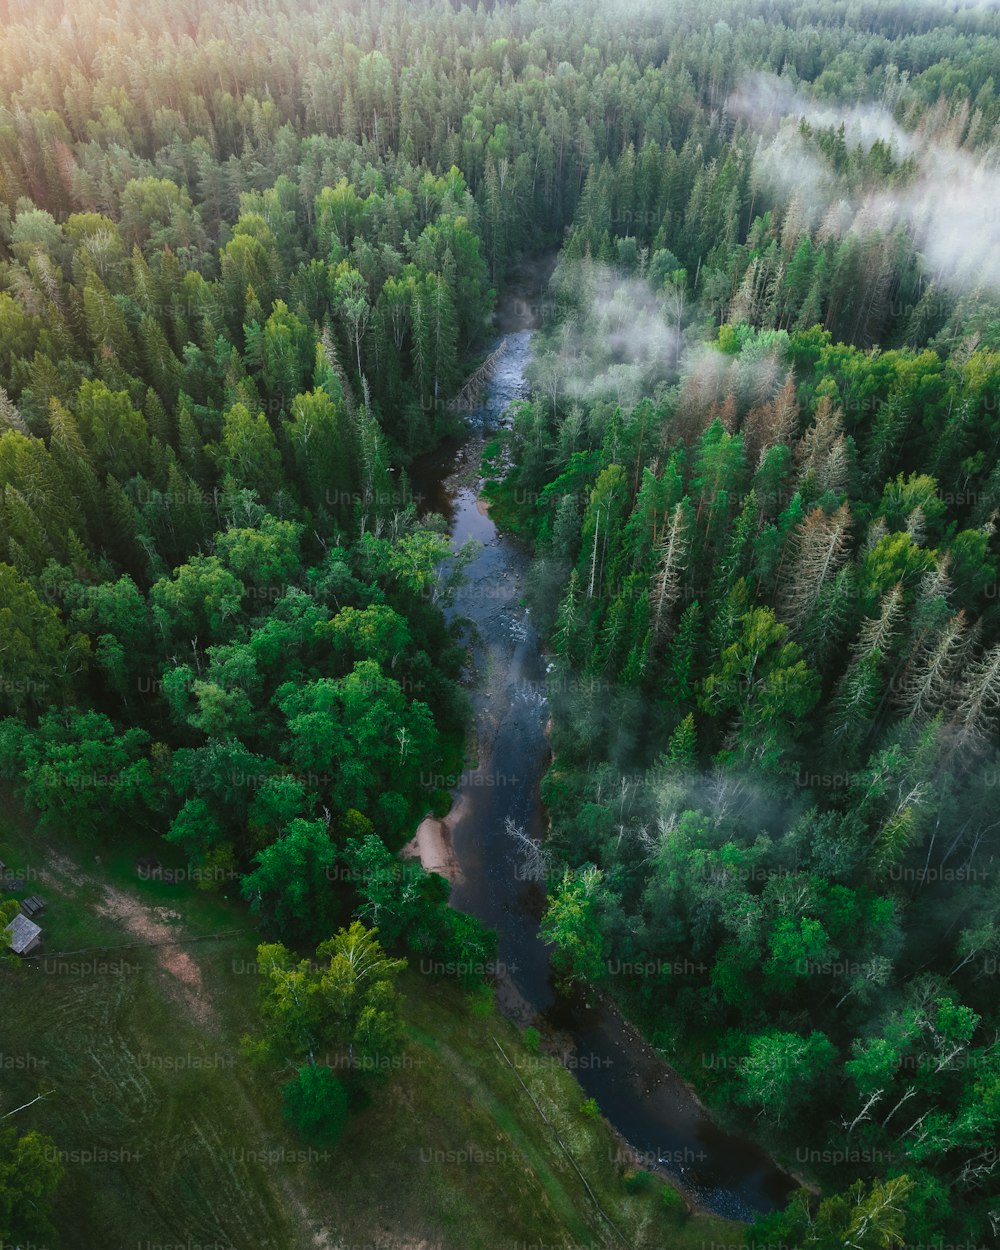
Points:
(432, 846)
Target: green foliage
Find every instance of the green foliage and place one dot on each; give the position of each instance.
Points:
(73, 761)
(782, 1071)
(315, 1104)
(483, 1001)
(30, 1172)
(638, 1182)
(344, 1000)
(292, 886)
(572, 924)
(871, 1219)
(40, 656)
(758, 467)
(673, 1203)
(361, 731)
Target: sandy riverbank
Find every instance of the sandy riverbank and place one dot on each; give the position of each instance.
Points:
(432, 844)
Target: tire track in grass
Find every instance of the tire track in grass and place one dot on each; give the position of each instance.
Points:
(477, 1089)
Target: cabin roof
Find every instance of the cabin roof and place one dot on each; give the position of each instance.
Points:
(21, 932)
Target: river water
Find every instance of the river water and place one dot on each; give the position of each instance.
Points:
(494, 879)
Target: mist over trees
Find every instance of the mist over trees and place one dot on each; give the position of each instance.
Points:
(758, 473)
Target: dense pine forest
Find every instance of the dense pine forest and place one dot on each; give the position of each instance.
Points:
(249, 254)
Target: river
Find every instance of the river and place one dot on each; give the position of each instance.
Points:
(647, 1103)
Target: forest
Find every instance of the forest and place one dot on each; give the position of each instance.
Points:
(249, 254)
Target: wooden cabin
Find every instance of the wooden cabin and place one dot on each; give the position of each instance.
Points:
(23, 935)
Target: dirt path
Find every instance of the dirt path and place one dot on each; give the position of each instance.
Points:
(159, 927)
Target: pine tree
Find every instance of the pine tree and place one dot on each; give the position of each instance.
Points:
(106, 324)
(747, 306)
(879, 633)
(974, 721)
(771, 423)
(122, 532)
(658, 493)
(927, 685)
(665, 586)
(854, 705)
(888, 429)
(738, 551)
(249, 454)
(823, 633)
(798, 283)
(570, 635)
(377, 492)
(444, 337)
(24, 530)
(163, 367)
(821, 454)
(38, 654)
(322, 443)
(10, 418)
(682, 749)
(602, 530)
(616, 630)
(682, 665)
(817, 548)
(770, 481)
(422, 353)
(891, 842)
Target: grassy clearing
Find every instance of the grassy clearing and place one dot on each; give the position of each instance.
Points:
(157, 1117)
(169, 1137)
(465, 1097)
